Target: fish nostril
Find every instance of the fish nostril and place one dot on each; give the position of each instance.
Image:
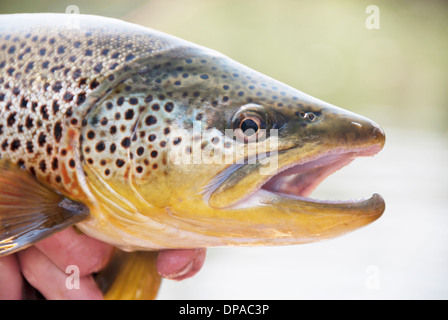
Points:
(311, 116)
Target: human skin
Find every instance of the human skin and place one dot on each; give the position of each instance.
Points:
(43, 266)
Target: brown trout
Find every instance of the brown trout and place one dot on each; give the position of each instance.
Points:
(148, 142)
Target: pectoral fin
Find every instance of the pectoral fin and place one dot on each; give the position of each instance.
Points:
(130, 276)
(29, 211)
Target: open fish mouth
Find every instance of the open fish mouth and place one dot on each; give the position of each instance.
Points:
(293, 184)
(298, 181)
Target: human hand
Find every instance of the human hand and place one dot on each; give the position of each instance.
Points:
(44, 264)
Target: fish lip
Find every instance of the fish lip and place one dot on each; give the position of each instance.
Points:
(330, 162)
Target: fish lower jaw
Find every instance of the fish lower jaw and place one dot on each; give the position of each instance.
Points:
(298, 181)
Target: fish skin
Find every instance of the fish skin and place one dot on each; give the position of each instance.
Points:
(97, 112)
(48, 70)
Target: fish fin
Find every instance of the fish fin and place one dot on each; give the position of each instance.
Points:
(130, 276)
(29, 211)
(214, 183)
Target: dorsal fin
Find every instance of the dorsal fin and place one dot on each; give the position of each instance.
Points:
(29, 211)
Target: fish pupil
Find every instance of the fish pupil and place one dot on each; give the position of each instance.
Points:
(249, 127)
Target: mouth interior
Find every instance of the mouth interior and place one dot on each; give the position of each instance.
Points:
(300, 180)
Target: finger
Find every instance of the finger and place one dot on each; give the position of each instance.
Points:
(68, 247)
(180, 264)
(11, 282)
(52, 282)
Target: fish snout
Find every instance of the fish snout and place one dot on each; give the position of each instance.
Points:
(350, 130)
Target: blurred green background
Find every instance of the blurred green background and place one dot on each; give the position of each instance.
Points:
(396, 75)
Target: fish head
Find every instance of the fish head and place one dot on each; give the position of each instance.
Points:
(197, 150)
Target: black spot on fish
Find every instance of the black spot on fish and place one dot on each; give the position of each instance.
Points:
(57, 86)
(126, 142)
(129, 57)
(5, 144)
(119, 163)
(61, 49)
(94, 84)
(80, 98)
(169, 106)
(129, 114)
(68, 96)
(55, 107)
(54, 163)
(76, 74)
(42, 165)
(57, 131)
(100, 146)
(150, 120)
(29, 146)
(98, 67)
(29, 122)
(177, 140)
(11, 119)
(23, 102)
(44, 112)
(42, 139)
(15, 144)
(29, 66)
(148, 98)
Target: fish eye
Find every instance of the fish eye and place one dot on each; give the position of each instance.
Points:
(250, 123)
